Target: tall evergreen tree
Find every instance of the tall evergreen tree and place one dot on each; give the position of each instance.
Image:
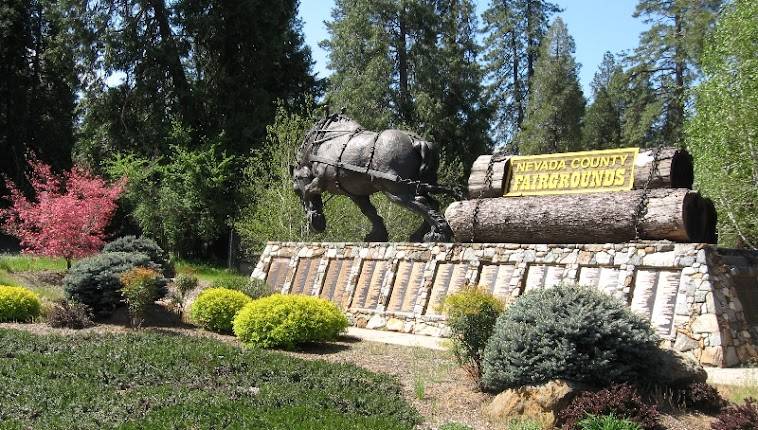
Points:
(411, 63)
(556, 103)
(668, 53)
(514, 30)
(37, 86)
(602, 126)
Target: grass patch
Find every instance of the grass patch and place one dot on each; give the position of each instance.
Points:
(159, 381)
(737, 393)
(29, 263)
(8, 279)
(206, 272)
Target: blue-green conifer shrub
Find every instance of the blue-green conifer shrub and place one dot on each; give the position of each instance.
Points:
(567, 332)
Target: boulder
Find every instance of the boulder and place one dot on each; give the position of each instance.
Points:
(540, 403)
(676, 369)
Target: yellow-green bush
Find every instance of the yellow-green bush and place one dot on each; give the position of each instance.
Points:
(215, 308)
(18, 304)
(283, 321)
(471, 316)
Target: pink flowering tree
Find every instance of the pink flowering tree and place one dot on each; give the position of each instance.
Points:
(68, 215)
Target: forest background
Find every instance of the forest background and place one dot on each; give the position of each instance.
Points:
(212, 99)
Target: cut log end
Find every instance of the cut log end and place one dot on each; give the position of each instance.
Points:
(682, 175)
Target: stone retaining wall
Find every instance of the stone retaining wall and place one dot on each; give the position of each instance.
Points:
(701, 300)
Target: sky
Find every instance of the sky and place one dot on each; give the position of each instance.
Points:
(596, 25)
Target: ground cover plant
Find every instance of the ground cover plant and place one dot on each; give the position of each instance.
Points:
(738, 417)
(283, 321)
(161, 381)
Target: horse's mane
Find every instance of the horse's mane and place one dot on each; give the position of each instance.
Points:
(320, 126)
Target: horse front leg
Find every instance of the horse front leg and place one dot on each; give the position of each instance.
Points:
(378, 231)
(441, 231)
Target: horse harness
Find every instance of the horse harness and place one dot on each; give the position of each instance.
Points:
(420, 186)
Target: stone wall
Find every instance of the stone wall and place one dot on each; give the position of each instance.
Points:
(701, 300)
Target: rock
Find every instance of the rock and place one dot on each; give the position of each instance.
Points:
(685, 343)
(376, 321)
(707, 323)
(537, 402)
(712, 356)
(675, 369)
(394, 324)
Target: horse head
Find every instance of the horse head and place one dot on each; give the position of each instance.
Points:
(306, 186)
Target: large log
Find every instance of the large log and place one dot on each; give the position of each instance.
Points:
(675, 214)
(673, 170)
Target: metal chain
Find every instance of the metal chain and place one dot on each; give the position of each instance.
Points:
(642, 205)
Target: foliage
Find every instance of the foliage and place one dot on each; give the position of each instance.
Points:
(738, 417)
(723, 132)
(607, 422)
(30, 263)
(68, 216)
(186, 382)
(556, 103)
(285, 321)
(471, 316)
(38, 86)
(274, 211)
(253, 288)
(185, 284)
(145, 246)
(183, 200)
(214, 309)
(411, 64)
(567, 332)
(18, 304)
(622, 401)
(703, 397)
(668, 54)
(66, 314)
(514, 30)
(94, 281)
(140, 286)
(524, 424)
(601, 128)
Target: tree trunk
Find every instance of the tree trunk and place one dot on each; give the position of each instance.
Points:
(675, 214)
(402, 59)
(673, 170)
(517, 95)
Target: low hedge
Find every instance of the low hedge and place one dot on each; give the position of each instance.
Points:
(284, 321)
(18, 304)
(214, 308)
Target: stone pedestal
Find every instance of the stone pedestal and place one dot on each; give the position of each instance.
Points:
(702, 300)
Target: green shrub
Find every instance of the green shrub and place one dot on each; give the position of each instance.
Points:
(471, 316)
(286, 321)
(143, 245)
(69, 315)
(215, 308)
(524, 424)
(18, 304)
(566, 332)
(607, 422)
(140, 286)
(255, 288)
(94, 281)
(184, 284)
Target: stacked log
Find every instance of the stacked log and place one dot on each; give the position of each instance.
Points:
(673, 170)
(671, 210)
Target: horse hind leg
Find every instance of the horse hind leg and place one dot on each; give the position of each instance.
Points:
(440, 231)
(425, 228)
(378, 231)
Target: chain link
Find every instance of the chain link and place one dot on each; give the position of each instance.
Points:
(642, 205)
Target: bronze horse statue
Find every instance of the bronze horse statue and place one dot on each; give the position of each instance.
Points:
(339, 156)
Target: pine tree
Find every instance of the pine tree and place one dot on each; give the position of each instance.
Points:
(411, 64)
(513, 30)
(602, 123)
(556, 103)
(669, 51)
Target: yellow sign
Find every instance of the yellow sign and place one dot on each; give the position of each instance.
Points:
(572, 172)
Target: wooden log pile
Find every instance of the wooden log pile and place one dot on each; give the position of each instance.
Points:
(672, 211)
